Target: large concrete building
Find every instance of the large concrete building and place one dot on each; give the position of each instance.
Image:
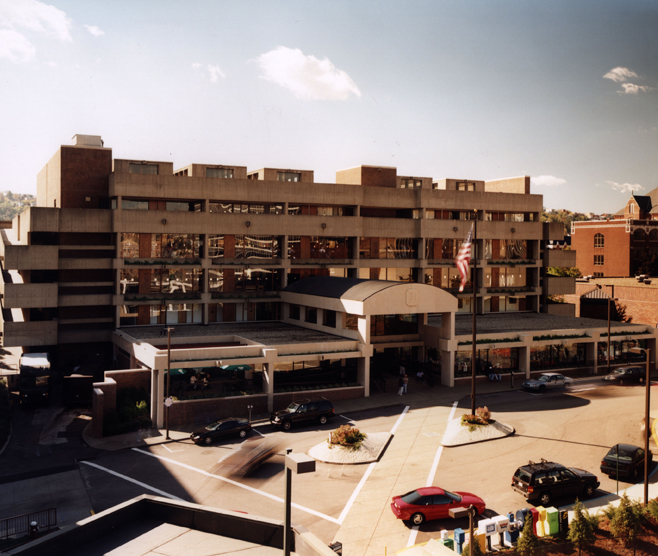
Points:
(117, 250)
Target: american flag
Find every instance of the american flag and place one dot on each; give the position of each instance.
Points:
(464, 258)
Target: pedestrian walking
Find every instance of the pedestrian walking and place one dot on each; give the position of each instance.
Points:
(405, 381)
(400, 386)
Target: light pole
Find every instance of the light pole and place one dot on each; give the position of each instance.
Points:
(647, 426)
(168, 400)
(610, 298)
(299, 463)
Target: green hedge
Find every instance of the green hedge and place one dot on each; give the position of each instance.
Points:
(132, 413)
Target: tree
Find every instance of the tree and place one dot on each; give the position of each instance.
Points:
(626, 522)
(618, 313)
(528, 543)
(563, 271)
(477, 549)
(581, 533)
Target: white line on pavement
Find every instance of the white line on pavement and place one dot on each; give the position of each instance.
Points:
(363, 480)
(170, 450)
(582, 389)
(430, 478)
(235, 483)
(124, 477)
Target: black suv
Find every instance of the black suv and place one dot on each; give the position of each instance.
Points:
(546, 480)
(319, 409)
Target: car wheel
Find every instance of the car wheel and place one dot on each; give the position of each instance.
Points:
(589, 490)
(207, 440)
(243, 434)
(545, 499)
(567, 384)
(418, 519)
(286, 425)
(323, 420)
(641, 379)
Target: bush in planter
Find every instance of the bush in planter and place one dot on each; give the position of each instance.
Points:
(346, 437)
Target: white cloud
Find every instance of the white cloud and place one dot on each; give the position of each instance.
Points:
(307, 77)
(546, 181)
(35, 16)
(633, 89)
(196, 65)
(15, 46)
(96, 31)
(619, 75)
(625, 187)
(215, 73)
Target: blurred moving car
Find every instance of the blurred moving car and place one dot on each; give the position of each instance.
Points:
(627, 374)
(546, 480)
(432, 502)
(547, 381)
(626, 458)
(250, 455)
(232, 426)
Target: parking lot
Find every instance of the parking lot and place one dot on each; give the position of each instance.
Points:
(350, 503)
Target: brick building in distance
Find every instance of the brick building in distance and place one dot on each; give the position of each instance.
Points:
(613, 248)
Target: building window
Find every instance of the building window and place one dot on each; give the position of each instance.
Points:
(134, 168)
(293, 312)
(598, 275)
(329, 318)
(410, 183)
(311, 315)
(598, 240)
(631, 208)
(219, 172)
(465, 186)
(127, 204)
(598, 260)
(288, 176)
(351, 321)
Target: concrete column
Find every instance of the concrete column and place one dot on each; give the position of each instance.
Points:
(363, 374)
(421, 248)
(364, 329)
(591, 354)
(156, 395)
(524, 361)
(448, 368)
(268, 385)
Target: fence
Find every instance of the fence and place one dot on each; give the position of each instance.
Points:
(20, 524)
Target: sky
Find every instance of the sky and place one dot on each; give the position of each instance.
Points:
(563, 91)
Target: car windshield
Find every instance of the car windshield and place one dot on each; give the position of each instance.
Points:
(544, 378)
(624, 455)
(212, 426)
(292, 407)
(452, 495)
(411, 497)
(522, 475)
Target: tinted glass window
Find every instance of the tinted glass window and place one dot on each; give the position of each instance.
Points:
(411, 497)
(522, 475)
(441, 499)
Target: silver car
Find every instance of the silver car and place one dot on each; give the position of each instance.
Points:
(547, 381)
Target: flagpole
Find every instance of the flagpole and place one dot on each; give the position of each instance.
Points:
(474, 309)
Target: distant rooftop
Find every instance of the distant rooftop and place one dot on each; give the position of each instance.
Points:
(526, 322)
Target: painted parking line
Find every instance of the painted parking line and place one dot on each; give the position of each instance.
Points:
(235, 483)
(131, 480)
(430, 478)
(583, 389)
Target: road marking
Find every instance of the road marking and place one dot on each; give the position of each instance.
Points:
(430, 478)
(130, 480)
(235, 483)
(363, 480)
(583, 389)
(170, 450)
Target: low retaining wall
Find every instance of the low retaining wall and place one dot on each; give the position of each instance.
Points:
(200, 412)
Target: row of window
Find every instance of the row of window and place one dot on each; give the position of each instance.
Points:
(189, 246)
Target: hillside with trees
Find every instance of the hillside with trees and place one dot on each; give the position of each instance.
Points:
(12, 204)
(565, 217)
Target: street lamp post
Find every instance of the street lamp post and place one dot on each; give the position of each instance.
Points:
(299, 463)
(647, 426)
(168, 401)
(610, 299)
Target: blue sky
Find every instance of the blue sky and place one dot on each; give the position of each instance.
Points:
(563, 91)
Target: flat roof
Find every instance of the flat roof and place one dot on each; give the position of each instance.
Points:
(262, 332)
(492, 323)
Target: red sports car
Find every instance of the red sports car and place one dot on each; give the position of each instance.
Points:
(432, 503)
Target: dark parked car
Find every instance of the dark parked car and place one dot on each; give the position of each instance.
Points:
(428, 503)
(221, 429)
(319, 409)
(547, 480)
(627, 374)
(627, 458)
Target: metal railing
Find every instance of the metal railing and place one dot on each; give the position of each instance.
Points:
(20, 524)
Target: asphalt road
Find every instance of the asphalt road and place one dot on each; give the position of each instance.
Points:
(575, 427)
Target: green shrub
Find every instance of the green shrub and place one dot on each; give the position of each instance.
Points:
(581, 532)
(627, 520)
(528, 543)
(347, 437)
(132, 413)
